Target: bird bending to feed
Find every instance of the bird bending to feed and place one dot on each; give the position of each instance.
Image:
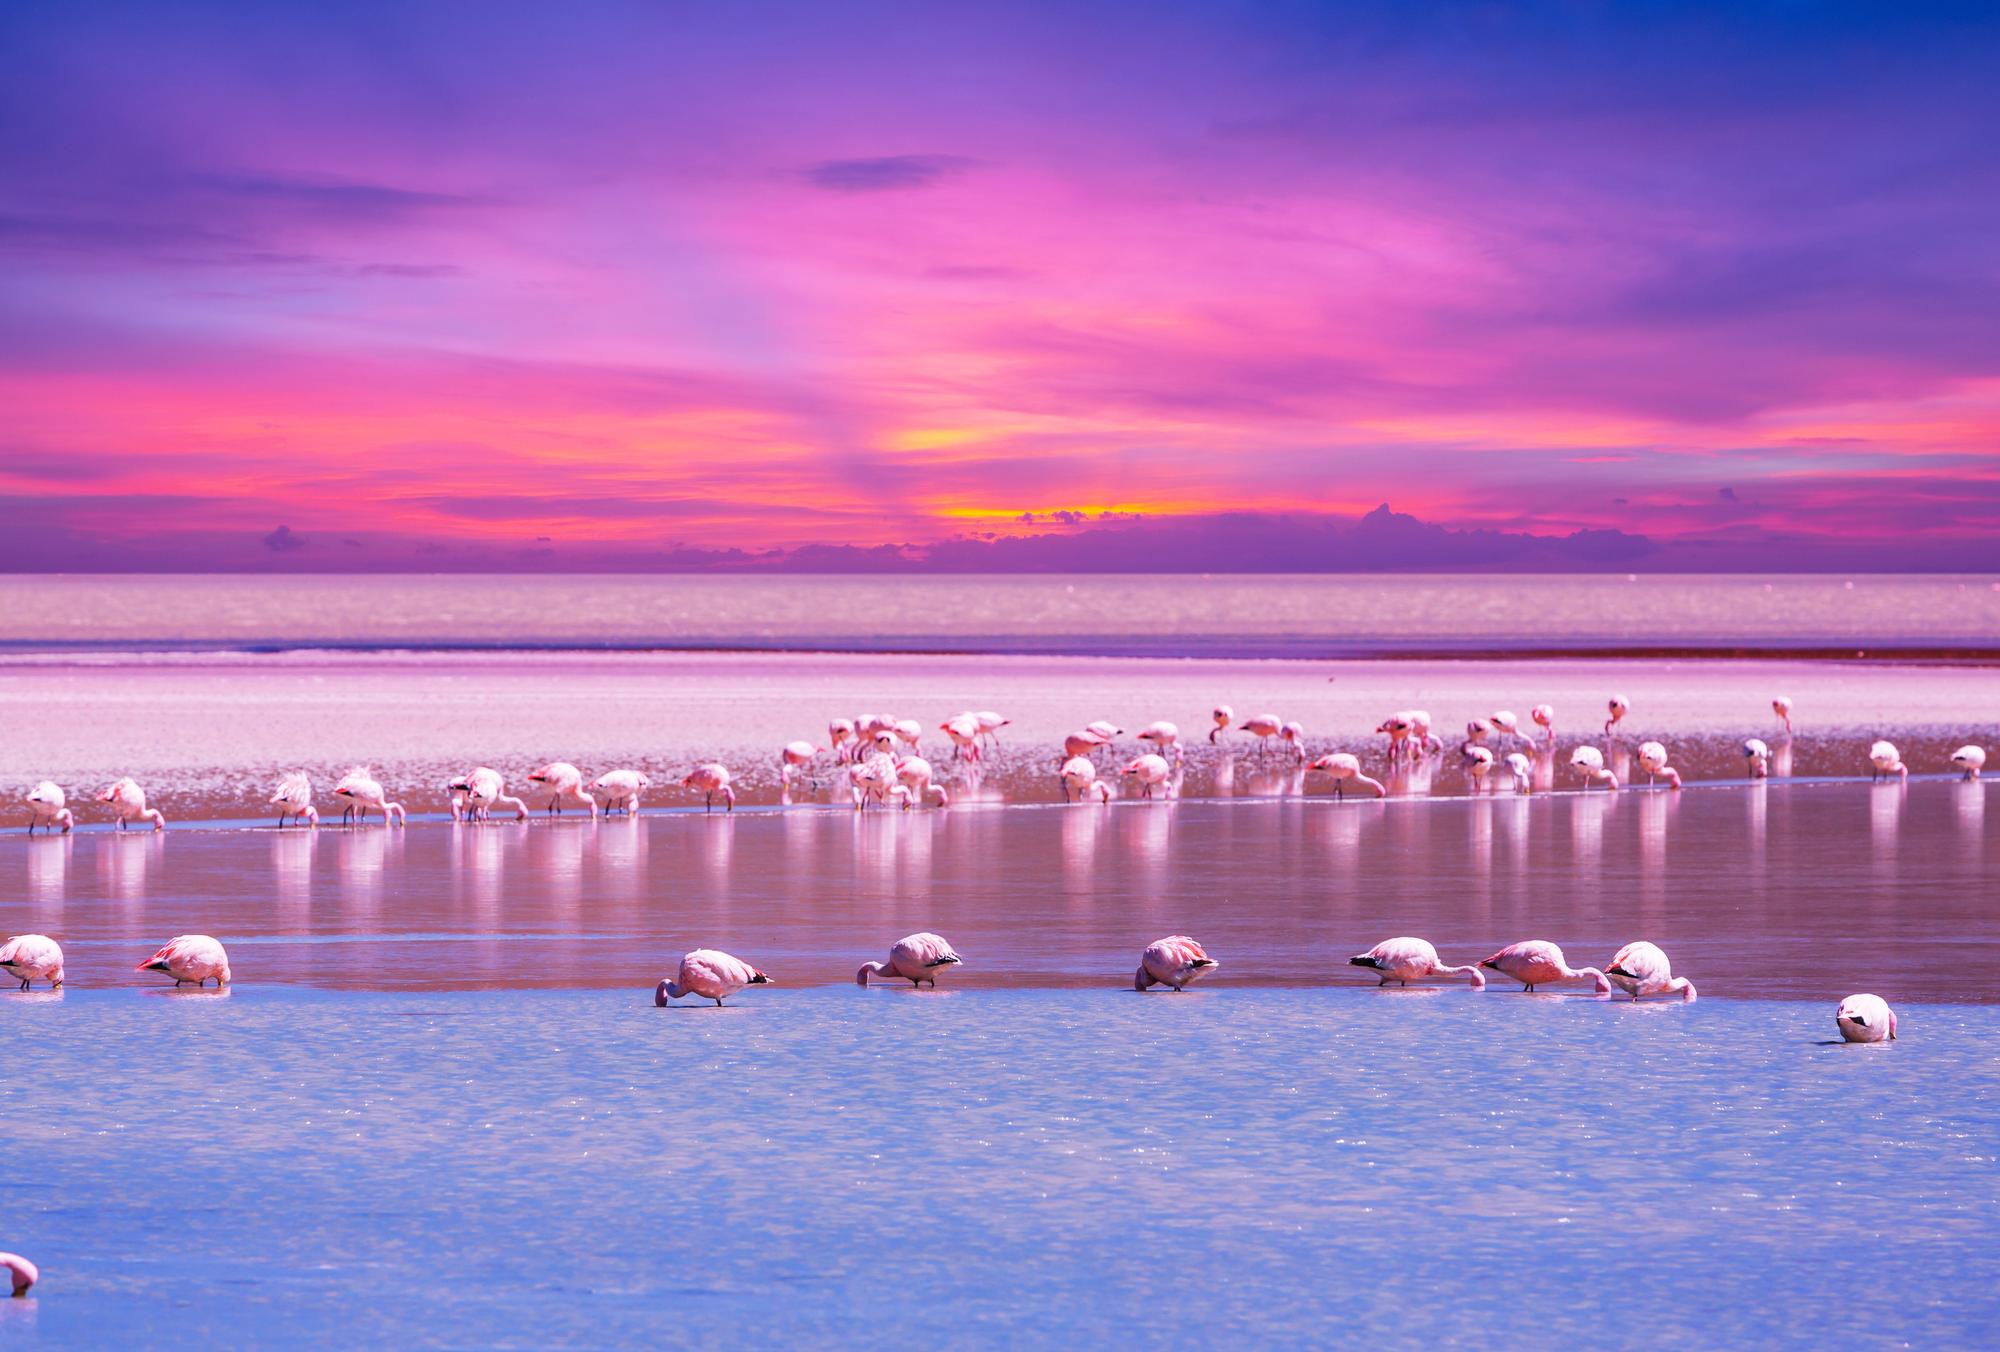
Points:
(963, 732)
(872, 780)
(1782, 707)
(1082, 742)
(1618, 706)
(1970, 760)
(1588, 761)
(1422, 742)
(1151, 771)
(1653, 760)
(1263, 727)
(1523, 771)
(1224, 716)
(909, 732)
(485, 790)
(1293, 735)
(363, 794)
(1887, 761)
(1759, 757)
(1165, 737)
(1642, 969)
(1076, 775)
(914, 776)
(1477, 731)
(128, 804)
(564, 783)
(1866, 1018)
(1478, 762)
(1107, 730)
(711, 974)
(1396, 727)
(917, 959)
(990, 724)
(793, 757)
(293, 798)
(619, 790)
(1536, 962)
(190, 957)
(840, 739)
(48, 808)
(711, 780)
(24, 1273)
(1100, 792)
(1173, 961)
(1508, 726)
(1545, 719)
(29, 958)
(1405, 960)
(1344, 767)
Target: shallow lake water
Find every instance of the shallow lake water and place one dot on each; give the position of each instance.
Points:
(311, 1167)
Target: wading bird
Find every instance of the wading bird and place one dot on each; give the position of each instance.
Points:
(1406, 959)
(29, 958)
(362, 794)
(294, 798)
(564, 783)
(1642, 969)
(190, 957)
(128, 804)
(1588, 761)
(917, 958)
(1344, 768)
(1537, 962)
(1887, 761)
(711, 974)
(1173, 961)
(1865, 1018)
(712, 780)
(48, 808)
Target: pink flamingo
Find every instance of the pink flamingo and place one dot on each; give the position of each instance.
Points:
(909, 732)
(840, 738)
(1642, 969)
(190, 957)
(1083, 742)
(1523, 771)
(913, 775)
(1173, 961)
(1076, 775)
(564, 783)
(1100, 791)
(29, 958)
(619, 790)
(1508, 726)
(872, 781)
(24, 1273)
(711, 780)
(48, 808)
(1758, 756)
(917, 958)
(128, 804)
(1224, 716)
(1151, 771)
(1422, 742)
(711, 974)
(1782, 707)
(1263, 727)
(1545, 719)
(1887, 761)
(1478, 763)
(1866, 1018)
(1970, 760)
(484, 790)
(364, 794)
(1106, 729)
(293, 798)
(1396, 727)
(1293, 735)
(963, 732)
(990, 724)
(1653, 760)
(1618, 706)
(793, 757)
(1406, 959)
(1165, 737)
(1345, 767)
(1477, 731)
(1537, 962)
(1588, 761)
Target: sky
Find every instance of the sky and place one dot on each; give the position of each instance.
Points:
(1009, 286)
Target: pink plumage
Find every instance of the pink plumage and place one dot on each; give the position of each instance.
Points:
(1173, 961)
(1407, 959)
(1535, 962)
(190, 957)
(1641, 968)
(29, 958)
(23, 1273)
(711, 974)
(917, 959)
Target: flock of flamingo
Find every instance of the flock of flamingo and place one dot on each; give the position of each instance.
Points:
(880, 758)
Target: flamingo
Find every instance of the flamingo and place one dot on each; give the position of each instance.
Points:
(1507, 725)
(293, 798)
(1618, 706)
(1420, 733)
(792, 756)
(909, 732)
(1478, 763)
(1224, 716)
(1345, 766)
(839, 733)
(1887, 761)
(128, 803)
(963, 732)
(24, 1273)
(1263, 727)
(1109, 731)
(1293, 735)
(1523, 771)
(1642, 969)
(1151, 771)
(29, 958)
(1759, 757)
(1866, 1018)
(1970, 759)
(48, 808)
(484, 790)
(1653, 760)
(914, 777)
(457, 791)
(363, 793)
(1782, 707)
(1397, 728)
(990, 724)
(711, 974)
(563, 782)
(1166, 739)
(1082, 742)
(1076, 775)
(884, 741)
(1536, 962)
(190, 957)
(1173, 961)
(711, 779)
(1588, 761)
(917, 958)
(1545, 718)
(1405, 960)
(619, 790)
(1478, 730)
(1101, 791)
(872, 780)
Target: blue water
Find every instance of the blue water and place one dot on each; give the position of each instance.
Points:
(1036, 1166)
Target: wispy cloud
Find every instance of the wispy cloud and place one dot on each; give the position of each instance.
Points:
(886, 173)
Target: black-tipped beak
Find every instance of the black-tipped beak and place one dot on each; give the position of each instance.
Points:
(1364, 961)
(1204, 962)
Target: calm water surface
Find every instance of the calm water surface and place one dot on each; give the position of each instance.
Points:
(307, 1167)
